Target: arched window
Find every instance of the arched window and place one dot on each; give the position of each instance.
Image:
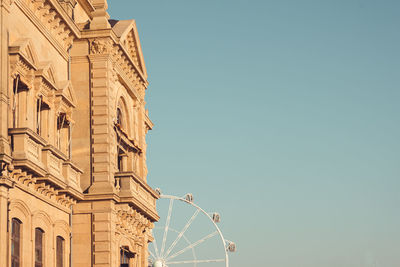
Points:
(120, 120)
(39, 238)
(121, 153)
(60, 252)
(125, 257)
(15, 242)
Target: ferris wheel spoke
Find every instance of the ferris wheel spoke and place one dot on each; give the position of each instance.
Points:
(192, 245)
(182, 232)
(155, 247)
(151, 254)
(171, 203)
(194, 261)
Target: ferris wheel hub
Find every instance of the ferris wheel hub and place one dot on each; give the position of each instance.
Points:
(159, 263)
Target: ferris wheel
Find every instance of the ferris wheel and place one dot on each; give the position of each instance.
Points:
(189, 236)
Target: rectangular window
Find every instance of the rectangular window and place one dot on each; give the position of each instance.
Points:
(19, 103)
(38, 119)
(60, 252)
(15, 242)
(64, 134)
(39, 234)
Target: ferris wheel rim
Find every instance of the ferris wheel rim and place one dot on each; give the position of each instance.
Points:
(223, 240)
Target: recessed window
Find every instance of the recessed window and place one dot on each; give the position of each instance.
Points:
(120, 160)
(126, 256)
(15, 242)
(19, 103)
(60, 252)
(41, 116)
(64, 134)
(119, 117)
(39, 236)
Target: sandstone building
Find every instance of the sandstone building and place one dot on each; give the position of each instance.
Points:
(73, 188)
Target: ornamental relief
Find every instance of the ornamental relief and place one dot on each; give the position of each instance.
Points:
(132, 222)
(31, 183)
(100, 46)
(51, 19)
(20, 67)
(128, 70)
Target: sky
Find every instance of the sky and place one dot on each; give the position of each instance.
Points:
(284, 117)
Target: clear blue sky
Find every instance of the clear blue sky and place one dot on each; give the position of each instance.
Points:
(285, 117)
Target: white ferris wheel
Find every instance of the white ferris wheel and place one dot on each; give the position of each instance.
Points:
(189, 236)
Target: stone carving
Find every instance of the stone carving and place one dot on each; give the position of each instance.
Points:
(31, 183)
(53, 21)
(129, 71)
(6, 169)
(131, 221)
(100, 46)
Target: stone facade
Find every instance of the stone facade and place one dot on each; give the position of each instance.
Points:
(73, 188)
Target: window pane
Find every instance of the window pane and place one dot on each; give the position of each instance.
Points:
(60, 251)
(15, 242)
(126, 255)
(39, 247)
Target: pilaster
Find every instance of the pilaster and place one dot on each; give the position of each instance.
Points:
(3, 225)
(102, 232)
(100, 63)
(4, 79)
(5, 184)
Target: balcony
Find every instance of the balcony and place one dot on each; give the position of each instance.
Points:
(27, 150)
(32, 154)
(134, 190)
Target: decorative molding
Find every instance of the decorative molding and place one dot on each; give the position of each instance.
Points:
(129, 70)
(87, 6)
(42, 190)
(47, 16)
(100, 46)
(131, 222)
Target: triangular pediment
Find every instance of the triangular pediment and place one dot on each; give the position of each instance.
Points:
(66, 91)
(25, 48)
(47, 70)
(127, 33)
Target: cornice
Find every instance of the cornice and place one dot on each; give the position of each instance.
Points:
(124, 80)
(37, 22)
(39, 189)
(109, 33)
(140, 181)
(67, 19)
(52, 21)
(87, 6)
(148, 122)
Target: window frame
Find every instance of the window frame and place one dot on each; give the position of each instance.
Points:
(60, 255)
(15, 239)
(126, 257)
(39, 262)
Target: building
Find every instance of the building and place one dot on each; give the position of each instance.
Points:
(73, 188)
